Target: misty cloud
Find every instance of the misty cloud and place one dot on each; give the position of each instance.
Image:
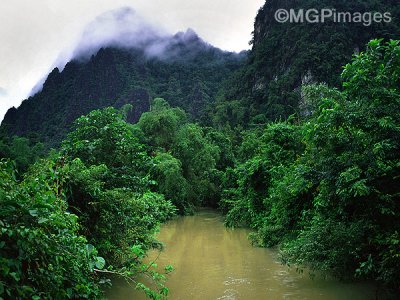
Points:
(46, 34)
(125, 28)
(120, 28)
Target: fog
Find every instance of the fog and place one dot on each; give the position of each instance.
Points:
(37, 36)
(124, 28)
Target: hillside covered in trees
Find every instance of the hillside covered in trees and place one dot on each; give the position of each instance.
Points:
(298, 139)
(188, 74)
(286, 56)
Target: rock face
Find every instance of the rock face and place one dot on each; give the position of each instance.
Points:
(286, 55)
(187, 72)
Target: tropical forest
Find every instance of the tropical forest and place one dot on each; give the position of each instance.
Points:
(167, 168)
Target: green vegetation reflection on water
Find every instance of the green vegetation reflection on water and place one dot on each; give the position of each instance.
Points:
(214, 262)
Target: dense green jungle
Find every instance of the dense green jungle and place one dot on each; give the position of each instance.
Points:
(297, 139)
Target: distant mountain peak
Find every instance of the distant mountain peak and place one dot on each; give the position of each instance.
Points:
(188, 36)
(124, 28)
(181, 68)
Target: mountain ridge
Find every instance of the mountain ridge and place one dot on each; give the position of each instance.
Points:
(182, 68)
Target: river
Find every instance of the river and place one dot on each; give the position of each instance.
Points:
(214, 262)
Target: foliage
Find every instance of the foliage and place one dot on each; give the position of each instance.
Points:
(264, 158)
(332, 204)
(109, 183)
(189, 74)
(160, 125)
(22, 150)
(322, 183)
(189, 159)
(104, 138)
(42, 255)
(102, 210)
(198, 156)
(285, 56)
(102, 177)
(353, 142)
(167, 171)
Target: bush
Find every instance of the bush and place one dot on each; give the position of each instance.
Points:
(42, 256)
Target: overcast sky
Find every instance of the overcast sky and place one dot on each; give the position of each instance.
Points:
(34, 33)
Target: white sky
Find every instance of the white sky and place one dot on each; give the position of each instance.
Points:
(34, 32)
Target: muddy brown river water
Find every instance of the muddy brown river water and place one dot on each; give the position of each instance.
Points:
(214, 262)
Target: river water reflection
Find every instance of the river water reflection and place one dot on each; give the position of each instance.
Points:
(213, 262)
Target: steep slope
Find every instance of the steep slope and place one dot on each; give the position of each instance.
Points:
(182, 68)
(123, 59)
(286, 55)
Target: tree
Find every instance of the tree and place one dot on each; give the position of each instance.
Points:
(161, 124)
(103, 137)
(198, 156)
(178, 144)
(167, 171)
